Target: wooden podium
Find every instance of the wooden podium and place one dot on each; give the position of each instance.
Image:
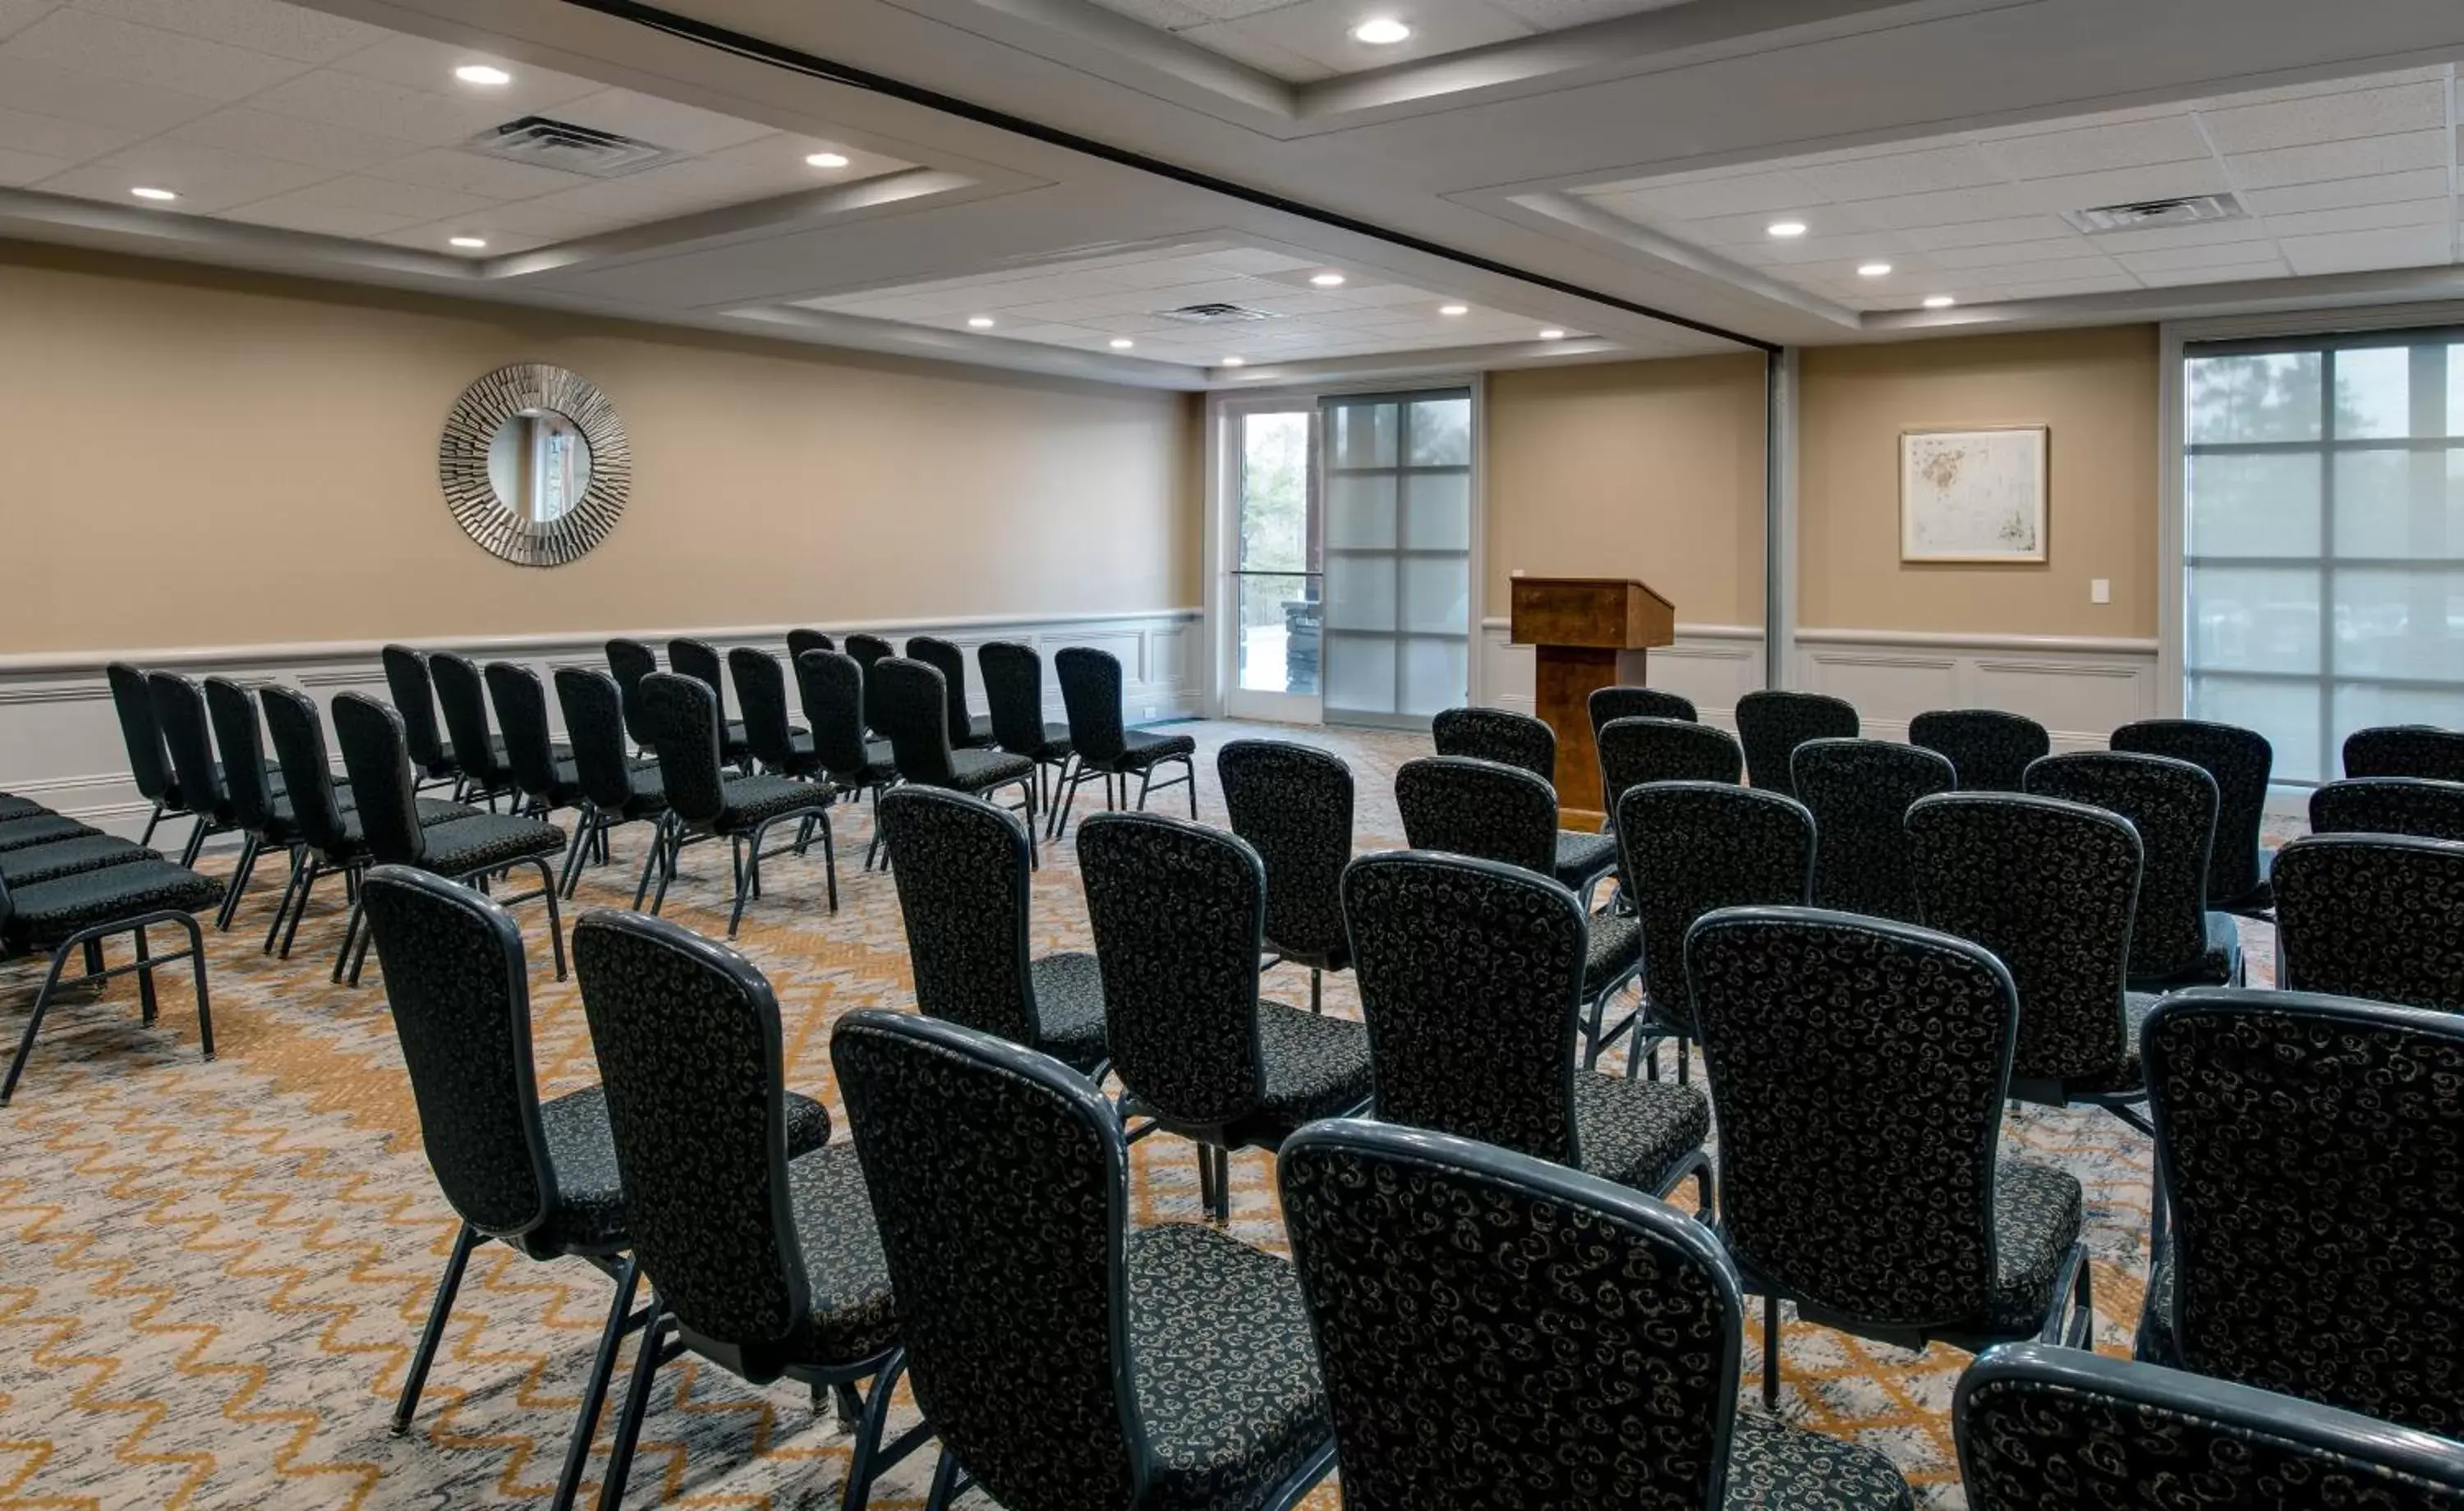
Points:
(1587, 632)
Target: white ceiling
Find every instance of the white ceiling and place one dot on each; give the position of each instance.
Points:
(1301, 41)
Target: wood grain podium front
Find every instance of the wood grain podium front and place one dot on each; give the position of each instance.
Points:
(1585, 633)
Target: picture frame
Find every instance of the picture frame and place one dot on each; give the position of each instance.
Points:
(1974, 494)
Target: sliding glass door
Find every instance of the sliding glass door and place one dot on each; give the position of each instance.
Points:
(1396, 643)
(1277, 590)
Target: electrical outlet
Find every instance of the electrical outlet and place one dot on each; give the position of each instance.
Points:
(2100, 590)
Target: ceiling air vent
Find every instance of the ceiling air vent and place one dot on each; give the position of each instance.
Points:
(1212, 314)
(546, 144)
(2153, 214)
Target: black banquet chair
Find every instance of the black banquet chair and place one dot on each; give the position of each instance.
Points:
(967, 731)
(762, 1254)
(802, 640)
(870, 652)
(699, 660)
(1772, 723)
(1861, 1068)
(706, 801)
(628, 661)
(1583, 1352)
(1859, 792)
(477, 750)
(2312, 1148)
(259, 807)
(187, 734)
(2241, 761)
(149, 763)
(414, 697)
(1091, 692)
(544, 771)
(910, 706)
(762, 693)
(1014, 691)
(1294, 804)
(2175, 938)
(2405, 749)
(1987, 748)
(1607, 705)
(963, 866)
(1641, 748)
(2372, 915)
(2047, 1429)
(831, 686)
(1497, 735)
(2415, 805)
(615, 788)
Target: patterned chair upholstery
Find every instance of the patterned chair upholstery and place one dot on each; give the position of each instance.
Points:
(1861, 1068)
(1471, 981)
(2175, 940)
(1859, 792)
(616, 789)
(2312, 1148)
(149, 763)
(1179, 912)
(961, 867)
(799, 640)
(832, 688)
(69, 857)
(910, 706)
(1691, 849)
(1606, 705)
(2405, 749)
(1069, 1360)
(2044, 1429)
(1636, 749)
(1990, 749)
(759, 1246)
(1497, 735)
(1014, 690)
(773, 738)
(2240, 760)
(699, 660)
(462, 694)
(1583, 1352)
(539, 1178)
(2372, 915)
(870, 652)
(1091, 694)
(706, 801)
(188, 735)
(1771, 724)
(2413, 805)
(1293, 803)
(628, 661)
(414, 697)
(967, 731)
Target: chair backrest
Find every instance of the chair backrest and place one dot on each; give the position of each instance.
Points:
(1179, 912)
(521, 700)
(2172, 804)
(761, 696)
(699, 660)
(307, 767)
(1465, 805)
(180, 713)
(2241, 761)
(462, 693)
(594, 725)
(1859, 792)
(2414, 805)
(680, 716)
(687, 1039)
(2405, 749)
(832, 686)
(2311, 1151)
(459, 989)
(999, 1185)
(951, 662)
(1990, 749)
(799, 640)
(1634, 750)
(378, 759)
(2042, 1428)
(628, 661)
(1014, 695)
(149, 764)
(1471, 981)
(1771, 724)
(868, 650)
(1497, 735)
(910, 706)
(1859, 1068)
(1293, 803)
(962, 868)
(1090, 694)
(1688, 849)
(414, 698)
(1631, 1303)
(2050, 887)
(243, 746)
(2372, 915)
(1608, 704)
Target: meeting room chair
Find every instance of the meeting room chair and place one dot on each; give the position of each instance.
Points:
(259, 809)
(967, 731)
(699, 660)
(1497, 735)
(760, 1255)
(1014, 691)
(2175, 938)
(1641, 748)
(2413, 805)
(832, 688)
(188, 735)
(799, 640)
(616, 789)
(149, 763)
(544, 774)
(1772, 723)
(707, 801)
(776, 741)
(1987, 748)
(869, 651)
(1179, 912)
(2047, 1429)
(628, 661)
(2240, 760)
(912, 706)
(14, 806)
(1606, 705)
(1583, 1352)
(478, 750)
(1090, 692)
(1068, 1359)
(44, 827)
(1859, 792)
(331, 840)
(964, 893)
(2372, 915)
(2311, 1151)
(91, 850)
(413, 693)
(1294, 804)
(1860, 1070)
(2405, 749)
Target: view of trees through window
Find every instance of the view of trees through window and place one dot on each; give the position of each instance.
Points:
(1277, 577)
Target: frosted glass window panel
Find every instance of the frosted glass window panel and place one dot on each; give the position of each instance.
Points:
(1437, 511)
(1442, 432)
(1360, 511)
(2393, 624)
(1363, 434)
(2255, 504)
(2286, 713)
(1360, 591)
(2360, 706)
(2455, 388)
(2266, 397)
(1360, 673)
(1435, 675)
(2400, 504)
(2373, 393)
(1436, 595)
(2254, 618)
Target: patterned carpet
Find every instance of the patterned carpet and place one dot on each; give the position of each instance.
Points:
(212, 1276)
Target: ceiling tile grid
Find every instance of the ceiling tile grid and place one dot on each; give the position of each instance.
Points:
(1302, 41)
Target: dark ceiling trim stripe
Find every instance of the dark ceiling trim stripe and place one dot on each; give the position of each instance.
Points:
(787, 57)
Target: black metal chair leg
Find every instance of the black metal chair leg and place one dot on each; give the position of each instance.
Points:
(555, 919)
(650, 862)
(350, 937)
(1205, 1180)
(1193, 788)
(594, 1390)
(637, 1404)
(205, 995)
(94, 957)
(1770, 1352)
(196, 843)
(151, 820)
(747, 875)
(829, 861)
(1222, 1180)
(299, 907)
(439, 1310)
(1317, 989)
(574, 847)
(858, 1490)
(1146, 781)
(241, 872)
(945, 1482)
(34, 1026)
(147, 1008)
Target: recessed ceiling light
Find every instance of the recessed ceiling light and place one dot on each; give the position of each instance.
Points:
(158, 196)
(482, 73)
(1236, 361)
(1553, 334)
(1327, 280)
(1785, 229)
(826, 160)
(1122, 343)
(981, 323)
(1454, 309)
(1380, 32)
(466, 243)
(1873, 269)
(1939, 302)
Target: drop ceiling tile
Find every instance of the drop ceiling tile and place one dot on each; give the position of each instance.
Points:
(1061, 312)
(1739, 194)
(1986, 232)
(2218, 256)
(780, 156)
(1556, 15)
(206, 179)
(614, 199)
(1802, 251)
(2050, 269)
(474, 173)
(2007, 253)
(73, 95)
(2379, 189)
(298, 212)
(701, 183)
(262, 134)
(1321, 32)
(143, 55)
(682, 128)
(411, 202)
(1168, 15)
(1255, 260)
(2126, 186)
(2369, 250)
(16, 16)
(1899, 174)
(2342, 160)
(382, 108)
(1945, 207)
(2328, 117)
(2435, 73)
(2214, 233)
(17, 169)
(533, 218)
(261, 26)
(2098, 149)
(2362, 217)
(415, 62)
(56, 137)
(2064, 287)
(1230, 39)
(2226, 273)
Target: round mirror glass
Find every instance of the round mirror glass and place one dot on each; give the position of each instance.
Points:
(539, 465)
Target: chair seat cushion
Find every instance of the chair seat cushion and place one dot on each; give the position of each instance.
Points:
(2127, 1077)
(976, 771)
(978, 732)
(1141, 748)
(15, 834)
(488, 841)
(589, 1214)
(1633, 1131)
(759, 799)
(89, 852)
(434, 811)
(1069, 993)
(2036, 1216)
(1054, 745)
(1584, 858)
(1227, 1380)
(48, 912)
(1614, 949)
(1775, 1467)
(853, 1316)
(2220, 963)
(13, 807)
(1315, 1066)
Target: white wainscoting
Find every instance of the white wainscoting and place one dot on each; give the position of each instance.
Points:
(2079, 689)
(60, 743)
(1712, 664)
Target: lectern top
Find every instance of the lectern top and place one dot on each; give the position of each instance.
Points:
(1596, 612)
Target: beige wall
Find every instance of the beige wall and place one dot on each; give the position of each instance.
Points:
(2096, 390)
(190, 457)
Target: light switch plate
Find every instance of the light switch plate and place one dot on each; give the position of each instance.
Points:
(2100, 590)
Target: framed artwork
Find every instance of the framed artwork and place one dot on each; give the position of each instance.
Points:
(1973, 494)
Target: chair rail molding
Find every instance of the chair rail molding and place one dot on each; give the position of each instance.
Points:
(60, 743)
